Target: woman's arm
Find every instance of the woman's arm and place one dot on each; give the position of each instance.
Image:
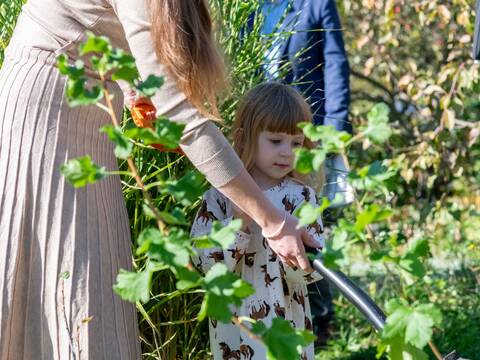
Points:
(204, 144)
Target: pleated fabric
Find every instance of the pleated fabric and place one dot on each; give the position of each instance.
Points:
(48, 228)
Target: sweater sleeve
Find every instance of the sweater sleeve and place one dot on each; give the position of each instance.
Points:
(202, 142)
(216, 207)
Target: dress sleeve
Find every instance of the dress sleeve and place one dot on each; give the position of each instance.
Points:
(316, 231)
(216, 207)
(202, 142)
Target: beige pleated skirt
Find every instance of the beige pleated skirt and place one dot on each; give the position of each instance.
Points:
(48, 228)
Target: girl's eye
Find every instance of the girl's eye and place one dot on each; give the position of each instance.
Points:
(297, 144)
(275, 141)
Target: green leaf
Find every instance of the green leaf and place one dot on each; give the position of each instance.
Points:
(223, 288)
(373, 213)
(82, 171)
(97, 44)
(283, 342)
(332, 258)
(173, 249)
(419, 247)
(378, 130)
(187, 190)
(147, 135)
(419, 329)
(332, 140)
(133, 286)
(150, 86)
(413, 265)
(222, 235)
(308, 214)
(412, 324)
(125, 73)
(72, 71)
(399, 350)
(174, 217)
(303, 162)
(168, 132)
(123, 147)
(187, 279)
(78, 95)
(124, 66)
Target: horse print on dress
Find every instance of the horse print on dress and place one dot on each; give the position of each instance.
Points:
(223, 206)
(308, 324)
(246, 351)
(204, 215)
(264, 243)
(288, 205)
(268, 279)
(262, 312)
(273, 257)
(249, 257)
(317, 227)
(303, 356)
(306, 193)
(279, 310)
(227, 353)
(214, 322)
(236, 254)
(308, 278)
(299, 298)
(286, 289)
(217, 256)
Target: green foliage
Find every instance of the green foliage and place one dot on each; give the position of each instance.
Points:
(377, 129)
(223, 288)
(412, 324)
(150, 86)
(123, 147)
(82, 171)
(220, 235)
(284, 342)
(9, 11)
(133, 286)
(307, 213)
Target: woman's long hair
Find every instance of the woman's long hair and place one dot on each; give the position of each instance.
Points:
(184, 43)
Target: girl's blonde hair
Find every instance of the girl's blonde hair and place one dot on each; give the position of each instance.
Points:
(183, 38)
(271, 106)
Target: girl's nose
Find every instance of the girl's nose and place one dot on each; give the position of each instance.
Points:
(286, 150)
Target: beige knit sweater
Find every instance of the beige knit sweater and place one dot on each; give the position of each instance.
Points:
(60, 27)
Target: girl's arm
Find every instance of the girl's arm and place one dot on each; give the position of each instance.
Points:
(215, 207)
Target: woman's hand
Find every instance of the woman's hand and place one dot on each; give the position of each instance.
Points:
(288, 243)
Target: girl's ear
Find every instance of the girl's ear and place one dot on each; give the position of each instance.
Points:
(239, 138)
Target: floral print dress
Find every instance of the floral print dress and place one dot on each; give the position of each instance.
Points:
(280, 291)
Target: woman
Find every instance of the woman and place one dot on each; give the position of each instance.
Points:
(48, 228)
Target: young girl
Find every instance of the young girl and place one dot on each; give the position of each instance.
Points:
(265, 135)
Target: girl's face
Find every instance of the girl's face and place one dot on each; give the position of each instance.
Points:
(274, 157)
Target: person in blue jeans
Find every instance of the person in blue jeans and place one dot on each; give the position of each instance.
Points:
(305, 48)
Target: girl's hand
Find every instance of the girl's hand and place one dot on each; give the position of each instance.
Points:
(247, 221)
